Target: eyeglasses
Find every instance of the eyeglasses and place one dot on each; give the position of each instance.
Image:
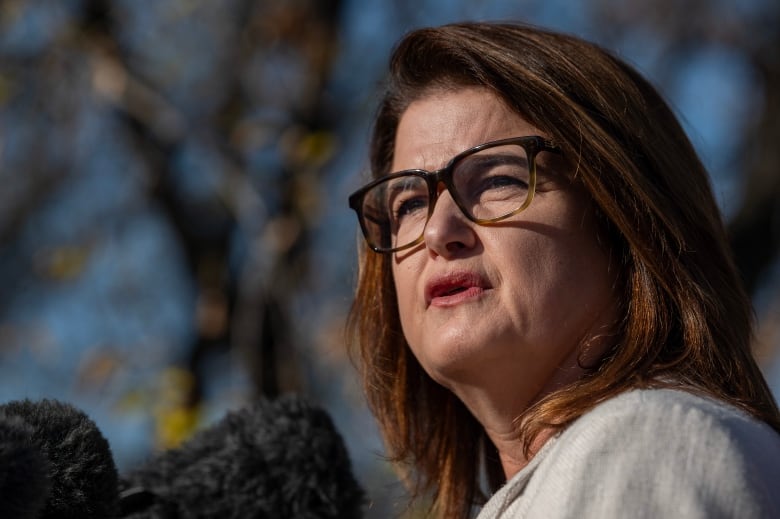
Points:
(489, 183)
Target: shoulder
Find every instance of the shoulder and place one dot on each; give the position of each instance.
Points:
(662, 452)
(680, 417)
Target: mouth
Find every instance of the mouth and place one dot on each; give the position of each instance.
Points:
(454, 288)
(449, 292)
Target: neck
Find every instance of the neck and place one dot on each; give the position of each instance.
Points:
(511, 453)
(499, 418)
(498, 407)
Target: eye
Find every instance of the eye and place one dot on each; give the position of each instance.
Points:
(407, 198)
(408, 205)
(500, 174)
(499, 180)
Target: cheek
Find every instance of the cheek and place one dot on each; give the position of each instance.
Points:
(404, 280)
(560, 280)
(585, 291)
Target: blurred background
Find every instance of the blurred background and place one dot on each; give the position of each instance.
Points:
(174, 234)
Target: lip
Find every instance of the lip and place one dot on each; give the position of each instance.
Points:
(454, 288)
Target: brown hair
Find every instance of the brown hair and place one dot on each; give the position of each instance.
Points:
(685, 318)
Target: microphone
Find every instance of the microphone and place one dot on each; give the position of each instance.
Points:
(54, 463)
(24, 482)
(276, 459)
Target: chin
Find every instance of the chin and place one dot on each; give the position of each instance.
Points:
(447, 365)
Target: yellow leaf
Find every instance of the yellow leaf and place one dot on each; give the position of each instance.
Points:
(176, 425)
(62, 263)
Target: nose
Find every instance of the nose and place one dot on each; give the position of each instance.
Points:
(448, 231)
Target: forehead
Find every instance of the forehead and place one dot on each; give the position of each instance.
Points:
(440, 125)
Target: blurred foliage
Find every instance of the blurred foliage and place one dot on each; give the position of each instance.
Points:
(173, 233)
(189, 139)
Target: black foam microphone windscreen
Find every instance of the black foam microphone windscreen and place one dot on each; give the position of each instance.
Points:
(275, 459)
(24, 471)
(82, 476)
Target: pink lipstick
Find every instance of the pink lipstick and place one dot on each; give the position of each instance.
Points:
(454, 288)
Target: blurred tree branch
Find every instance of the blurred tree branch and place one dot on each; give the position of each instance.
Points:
(275, 56)
(238, 308)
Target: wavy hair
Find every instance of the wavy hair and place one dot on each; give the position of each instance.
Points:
(685, 319)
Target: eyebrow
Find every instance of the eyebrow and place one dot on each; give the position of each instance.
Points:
(493, 159)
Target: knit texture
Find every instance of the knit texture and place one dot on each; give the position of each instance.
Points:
(648, 454)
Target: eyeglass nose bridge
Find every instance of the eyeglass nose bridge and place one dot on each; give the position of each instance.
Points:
(443, 177)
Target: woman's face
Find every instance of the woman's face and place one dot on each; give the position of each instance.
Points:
(503, 308)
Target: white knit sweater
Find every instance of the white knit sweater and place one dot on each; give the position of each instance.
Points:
(656, 453)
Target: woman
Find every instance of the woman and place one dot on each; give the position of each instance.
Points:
(553, 310)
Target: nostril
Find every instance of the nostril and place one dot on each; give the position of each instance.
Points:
(456, 246)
